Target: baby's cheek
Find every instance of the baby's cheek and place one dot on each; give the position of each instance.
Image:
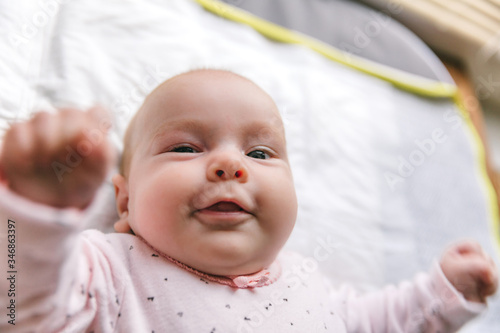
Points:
(281, 205)
(144, 210)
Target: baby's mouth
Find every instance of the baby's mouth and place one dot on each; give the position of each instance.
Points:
(223, 214)
(225, 207)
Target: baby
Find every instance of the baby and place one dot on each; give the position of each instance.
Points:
(206, 201)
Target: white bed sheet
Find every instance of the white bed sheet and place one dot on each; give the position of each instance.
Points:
(347, 132)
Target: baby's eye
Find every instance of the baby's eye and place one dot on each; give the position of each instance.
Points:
(183, 149)
(260, 154)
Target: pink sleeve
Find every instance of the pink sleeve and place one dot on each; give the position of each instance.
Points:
(427, 304)
(48, 267)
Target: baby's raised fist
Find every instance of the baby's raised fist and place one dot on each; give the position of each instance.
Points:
(471, 271)
(58, 159)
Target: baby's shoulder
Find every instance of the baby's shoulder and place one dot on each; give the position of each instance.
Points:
(115, 243)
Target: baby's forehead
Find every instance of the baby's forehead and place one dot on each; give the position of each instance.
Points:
(194, 81)
(169, 99)
(207, 85)
(249, 123)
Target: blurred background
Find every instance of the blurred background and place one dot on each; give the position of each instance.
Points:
(465, 34)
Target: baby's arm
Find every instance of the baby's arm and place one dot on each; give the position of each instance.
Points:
(51, 167)
(442, 301)
(58, 159)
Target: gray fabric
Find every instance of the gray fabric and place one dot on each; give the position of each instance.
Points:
(354, 28)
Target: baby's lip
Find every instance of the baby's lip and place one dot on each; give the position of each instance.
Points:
(225, 213)
(225, 205)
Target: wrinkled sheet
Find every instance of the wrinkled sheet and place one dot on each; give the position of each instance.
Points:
(385, 179)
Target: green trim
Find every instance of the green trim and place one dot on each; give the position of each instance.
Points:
(403, 80)
(483, 170)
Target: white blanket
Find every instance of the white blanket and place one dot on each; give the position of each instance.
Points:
(385, 179)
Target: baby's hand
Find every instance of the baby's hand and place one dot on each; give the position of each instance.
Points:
(471, 271)
(58, 159)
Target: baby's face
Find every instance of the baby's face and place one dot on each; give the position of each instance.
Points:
(209, 182)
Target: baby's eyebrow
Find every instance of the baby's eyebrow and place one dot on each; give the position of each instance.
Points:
(191, 125)
(264, 131)
(261, 131)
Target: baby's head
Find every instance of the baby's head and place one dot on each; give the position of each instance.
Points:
(205, 176)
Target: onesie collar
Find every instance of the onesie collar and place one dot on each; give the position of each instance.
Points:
(262, 278)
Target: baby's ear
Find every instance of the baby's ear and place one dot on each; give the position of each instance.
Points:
(121, 198)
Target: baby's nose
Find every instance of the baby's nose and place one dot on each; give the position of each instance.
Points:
(227, 167)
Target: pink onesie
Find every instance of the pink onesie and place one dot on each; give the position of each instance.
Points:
(60, 279)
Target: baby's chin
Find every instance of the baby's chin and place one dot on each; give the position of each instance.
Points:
(221, 254)
(226, 266)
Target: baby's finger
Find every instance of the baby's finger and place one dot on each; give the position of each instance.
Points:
(18, 148)
(101, 117)
(72, 123)
(491, 261)
(46, 129)
(485, 275)
(488, 284)
(468, 247)
(493, 276)
(99, 123)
